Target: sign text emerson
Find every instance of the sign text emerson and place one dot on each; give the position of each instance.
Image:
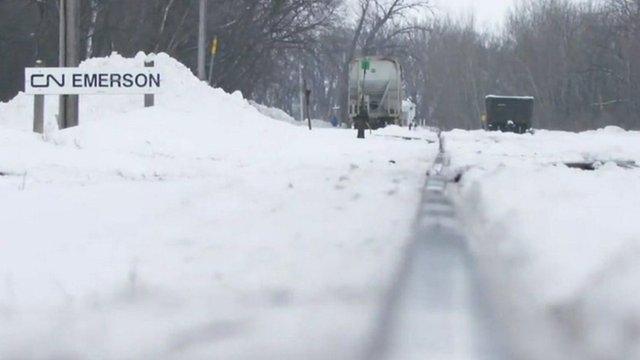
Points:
(75, 81)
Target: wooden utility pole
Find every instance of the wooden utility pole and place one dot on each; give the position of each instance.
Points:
(69, 57)
(202, 41)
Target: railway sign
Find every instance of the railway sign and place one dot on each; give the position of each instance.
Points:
(76, 81)
(366, 64)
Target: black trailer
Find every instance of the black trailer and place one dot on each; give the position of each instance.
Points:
(508, 113)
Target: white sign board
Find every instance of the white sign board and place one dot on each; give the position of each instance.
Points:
(75, 81)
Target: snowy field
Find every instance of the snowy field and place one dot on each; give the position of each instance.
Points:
(560, 245)
(196, 229)
(209, 227)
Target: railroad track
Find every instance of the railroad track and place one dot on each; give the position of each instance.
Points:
(435, 308)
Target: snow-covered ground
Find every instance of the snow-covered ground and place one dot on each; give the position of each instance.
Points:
(560, 245)
(196, 229)
(203, 228)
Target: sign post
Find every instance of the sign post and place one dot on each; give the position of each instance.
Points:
(69, 57)
(40, 81)
(149, 99)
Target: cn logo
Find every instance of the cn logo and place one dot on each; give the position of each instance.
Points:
(45, 81)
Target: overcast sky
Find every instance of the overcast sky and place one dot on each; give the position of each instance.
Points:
(488, 12)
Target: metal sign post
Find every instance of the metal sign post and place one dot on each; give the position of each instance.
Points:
(40, 81)
(69, 57)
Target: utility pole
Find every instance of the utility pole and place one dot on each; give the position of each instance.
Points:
(202, 41)
(38, 108)
(302, 89)
(69, 57)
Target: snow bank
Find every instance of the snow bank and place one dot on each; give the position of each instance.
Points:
(198, 228)
(563, 243)
(280, 115)
(273, 113)
(181, 90)
(408, 111)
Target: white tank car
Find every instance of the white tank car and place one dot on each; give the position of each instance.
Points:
(379, 89)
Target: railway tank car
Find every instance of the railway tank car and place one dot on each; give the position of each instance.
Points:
(375, 91)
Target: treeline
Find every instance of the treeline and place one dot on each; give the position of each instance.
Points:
(258, 37)
(580, 60)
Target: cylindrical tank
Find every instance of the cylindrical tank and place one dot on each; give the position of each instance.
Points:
(378, 87)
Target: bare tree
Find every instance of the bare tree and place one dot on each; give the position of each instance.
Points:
(580, 60)
(373, 17)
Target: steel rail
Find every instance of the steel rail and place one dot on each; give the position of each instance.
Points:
(435, 307)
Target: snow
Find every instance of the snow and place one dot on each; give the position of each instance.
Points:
(509, 97)
(279, 114)
(198, 228)
(211, 227)
(558, 242)
(408, 111)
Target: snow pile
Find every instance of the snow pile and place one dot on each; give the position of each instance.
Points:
(280, 115)
(562, 244)
(273, 113)
(179, 86)
(408, 111)
(198, 228)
